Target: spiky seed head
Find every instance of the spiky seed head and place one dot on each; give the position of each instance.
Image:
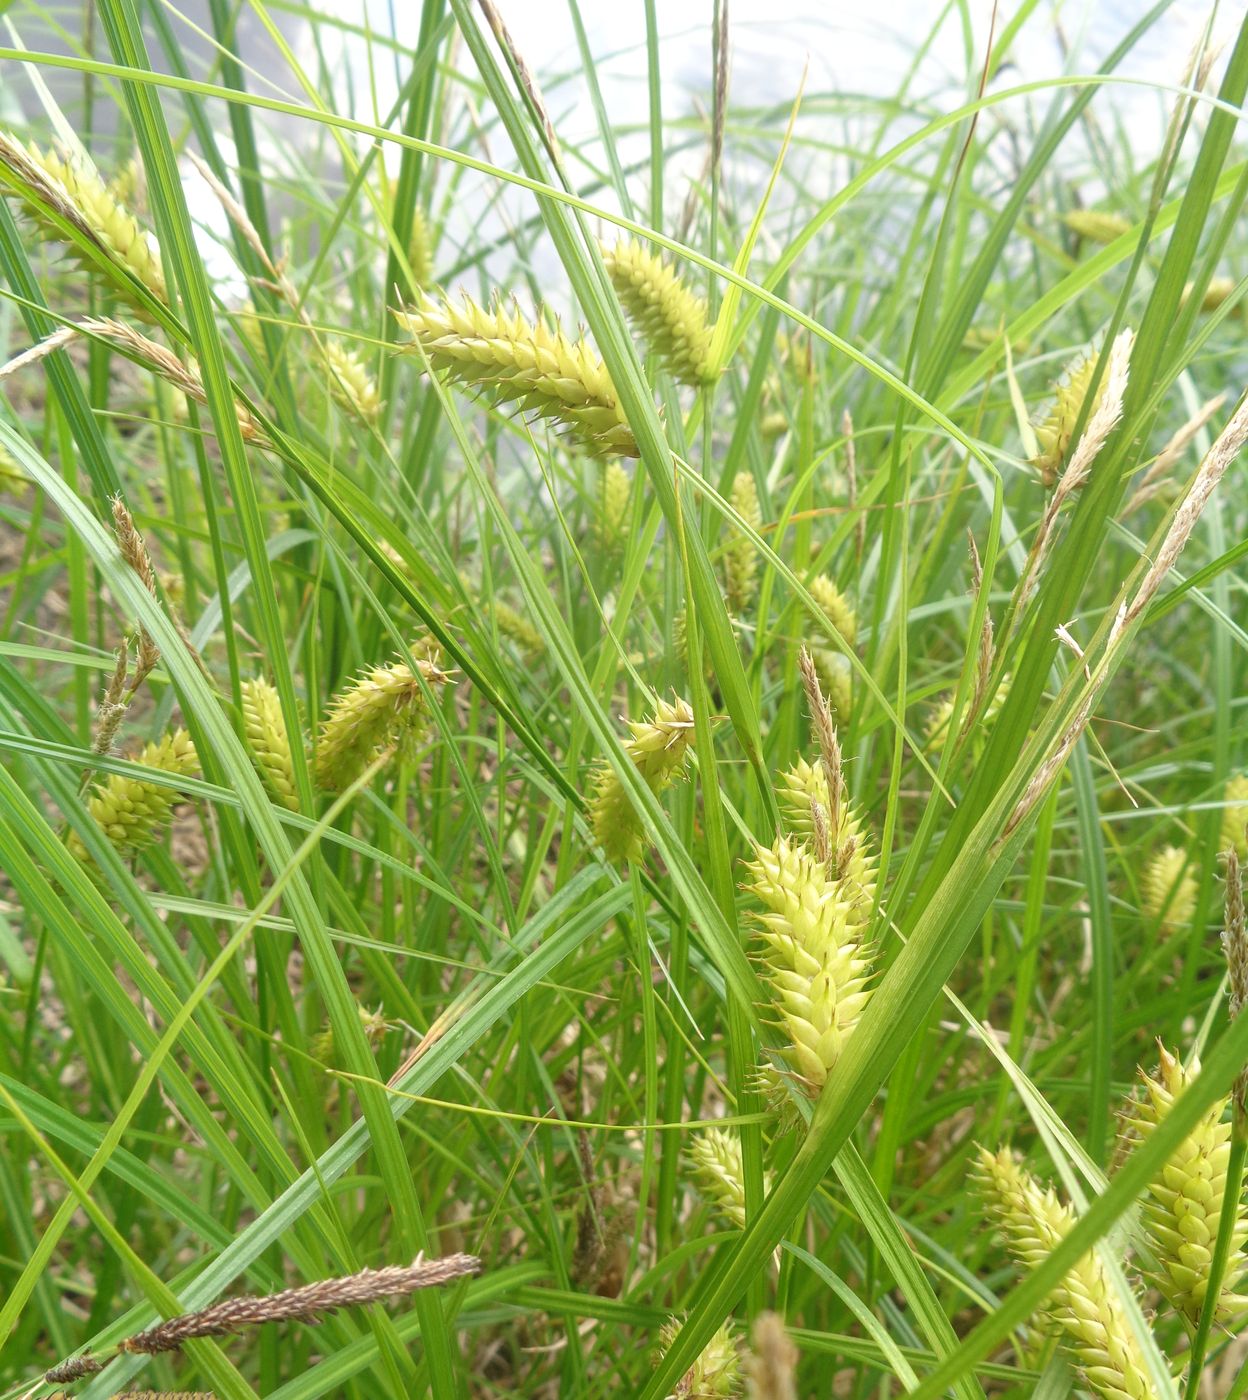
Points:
(420, 249)
(836, 678)
(1095, 1330)
(130, 811)
(740, 554)
(506, 359)
(717, 1371)
(1218, 290)
(74, 191)
(936, 730)
(836, 607)
(715, 1166)
(384, 706)
(659, 747)
(13, 480)
(812, 955)
(802, 786)
(351, 386)
(1096, 226)
(1054, 432)
(1184, 1202)
(611, 506)
(1168, 890)
(670, 317)
(1234, 831)
(372, 1023)
(267, 737)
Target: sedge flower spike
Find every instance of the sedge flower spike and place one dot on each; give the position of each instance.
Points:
(73, 191)
(351, 386)
(670, 317)
(1168, 890)
(740, 557)
(715, 1165)
(1054, 432)
(131, 811)
(1184, 1202)
(813, 956)
(1234, 831)
(1096, 226)
(386, 705)
(1095, 1330)
(800, 789)
(659, 747)
(611, 506)
(267, 737)
(717, 1371)
(506, 359)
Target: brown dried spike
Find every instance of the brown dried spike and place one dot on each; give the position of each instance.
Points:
(73, 1370)
(301, 1304)
(825, 732)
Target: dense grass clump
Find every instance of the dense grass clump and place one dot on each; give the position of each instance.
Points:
(623, 743)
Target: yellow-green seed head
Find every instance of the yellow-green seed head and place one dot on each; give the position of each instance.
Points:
(1096, 1331)
(13, 480)
(1234, 831)
(740, 555)
(812, 955)
(1168, 890)
(1184, 1202)
(717, 1371)
(130, 811)
(836, 607)
(351, 386)
(836, 680)
(507, 359)
(384, 706)
(268, 739)
(805, 783)
(669, 316)
(420, 249)
(373, 1024)
(611, 506)
(659, 747)
(75, 192)
(936, 730)
(715, 1165)
(1095, 226)
(1054, 432)
(1218, 290)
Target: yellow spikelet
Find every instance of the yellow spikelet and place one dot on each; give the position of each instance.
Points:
(507, 359)
(130, 811)
(936, 730)
(715, 1166)
(420, 249)
(812, 954)
(269, 741)
(129, 186)
(740, 556)
(351, 386)
(75, 193)
(836, 607)
(659, 747)
(717, 1371)
(771, 1366)
(13, 480)
(1218, 290)
(373, 1024)
(798, 788)
(1234, 830)
(1096, 1332)
(1185, 1198)
(611, 506)
(1095, 226)
(1054, 432)
(668, 315)
(1168, 890)
(384, 706)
